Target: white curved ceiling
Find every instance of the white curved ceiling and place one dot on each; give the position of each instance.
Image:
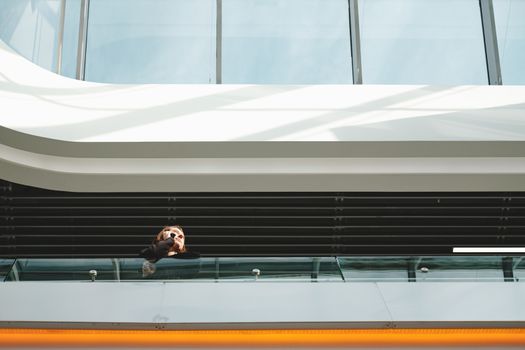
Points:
(73, 135)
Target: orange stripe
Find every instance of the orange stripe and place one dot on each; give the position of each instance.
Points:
(277, 337)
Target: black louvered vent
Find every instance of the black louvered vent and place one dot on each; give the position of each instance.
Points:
(43, 223)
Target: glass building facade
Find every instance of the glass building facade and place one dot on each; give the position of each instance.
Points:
(431, 42)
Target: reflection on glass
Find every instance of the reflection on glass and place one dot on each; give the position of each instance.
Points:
(5, 267)
(286, 41)
(450, 269)
(69, 48)
(519, 269)
(422, 42)
(425, 269)
(141, 41)
(61, 269)
(510, 28)
(370, 269)
(223, 269)
(277, 269)
(31, 28)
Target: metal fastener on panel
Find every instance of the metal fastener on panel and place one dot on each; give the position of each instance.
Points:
(93, 274)
(424, 269)
(256, 273)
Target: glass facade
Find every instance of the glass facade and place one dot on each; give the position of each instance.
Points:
(30, 27)
(286, 42)
(141, 41)
(510, 27)
(71, 29)
(438, 42)
(422, 42)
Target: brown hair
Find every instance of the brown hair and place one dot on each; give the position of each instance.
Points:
(159, 237)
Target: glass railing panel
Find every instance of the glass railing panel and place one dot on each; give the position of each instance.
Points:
(165, 269)
(428, 269)
(518, 264)
(62, 270)
(235, 269)
(450, 269)
(274, 269)
(216, 269)
(5, 267)
(371, 269)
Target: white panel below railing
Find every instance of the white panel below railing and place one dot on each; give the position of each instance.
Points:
(260, 304)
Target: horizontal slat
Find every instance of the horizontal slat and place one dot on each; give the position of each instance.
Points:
(42, 223)
(276, 211)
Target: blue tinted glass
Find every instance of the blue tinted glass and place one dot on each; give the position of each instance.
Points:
(510, 27)
(286, 41)
(422, 42)
(69, 48)
(31, 28)
(143, 41)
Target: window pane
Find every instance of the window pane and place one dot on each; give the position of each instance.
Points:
(69, 48)
(510, 28)
(30, 27)
(143, 41)
(422, 42)
(286, 41)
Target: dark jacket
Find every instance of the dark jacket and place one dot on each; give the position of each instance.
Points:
(169, 269)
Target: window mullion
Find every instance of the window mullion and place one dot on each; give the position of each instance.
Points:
(82, 40)
(491, 42)
(355, 41)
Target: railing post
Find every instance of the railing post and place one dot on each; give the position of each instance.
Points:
(507, 266)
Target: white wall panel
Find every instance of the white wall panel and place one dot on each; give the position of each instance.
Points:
(260, 304)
